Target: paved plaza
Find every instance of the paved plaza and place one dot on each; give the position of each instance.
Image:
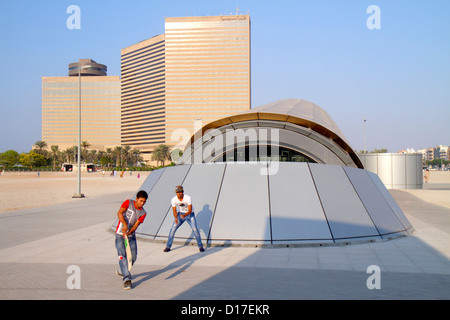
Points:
(44, 249)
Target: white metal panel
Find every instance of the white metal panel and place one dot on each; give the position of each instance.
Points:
(202, 184)
(379, 210)
(414, 171)
(255, 208)
(419, 172)
(390, 200)
(345, 213)
(242, 211)
(411, 171)
(398, 171)
(158, 202)
(385, 169)
(151, 180)
(296, 212)
(370, 162)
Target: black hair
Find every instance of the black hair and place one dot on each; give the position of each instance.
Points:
(142, 194)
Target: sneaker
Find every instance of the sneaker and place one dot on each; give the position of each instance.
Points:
(201, 249)
(127, 285)
(166, 249)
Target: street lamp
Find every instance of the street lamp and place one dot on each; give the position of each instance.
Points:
(79, 194)
(365, 151)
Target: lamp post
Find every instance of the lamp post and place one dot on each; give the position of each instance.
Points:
(79, 194)
(365, 151)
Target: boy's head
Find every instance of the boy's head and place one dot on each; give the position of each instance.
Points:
(142, 194)
(141, 198)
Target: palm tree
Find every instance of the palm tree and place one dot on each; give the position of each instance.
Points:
(161, 153)
(84, 146)
(75, 153)
(109, 153)
(137, 155)
(117, 153)
(70, 152)
(55, 152)
(40, 147)
(126, 153)
(92, 155)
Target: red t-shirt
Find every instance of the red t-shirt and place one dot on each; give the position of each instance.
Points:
(131, 216)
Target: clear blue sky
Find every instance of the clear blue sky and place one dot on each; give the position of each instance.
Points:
(397, 77)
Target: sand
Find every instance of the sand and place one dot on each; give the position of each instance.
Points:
(21, 190)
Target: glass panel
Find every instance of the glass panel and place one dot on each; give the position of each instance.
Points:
(264, 153)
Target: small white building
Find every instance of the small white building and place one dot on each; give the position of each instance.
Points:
(85, 167)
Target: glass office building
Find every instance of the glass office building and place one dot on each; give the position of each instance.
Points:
(195, 73)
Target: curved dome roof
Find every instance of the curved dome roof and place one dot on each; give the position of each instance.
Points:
(274, 202)
(299, 111)
(304, 127)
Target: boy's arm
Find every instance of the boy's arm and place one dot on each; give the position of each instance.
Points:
(136, 225)
(187, 213)
(122, 220)
(175, 213)
(133, 228)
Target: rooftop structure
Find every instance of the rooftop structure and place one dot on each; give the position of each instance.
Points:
(87, 67)
(300, 128)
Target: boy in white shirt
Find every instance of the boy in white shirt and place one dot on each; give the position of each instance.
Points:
(183, 211)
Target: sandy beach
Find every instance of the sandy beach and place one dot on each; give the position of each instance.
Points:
(21, 190)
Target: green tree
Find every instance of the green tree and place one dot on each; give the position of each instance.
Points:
(92, 155)
(104, 160)
(32, 159)
(126, 153)
(40, 147)
(9, 158)
(379, 150)
(84, 152)
(55, 152)
(118, 153)
(136, 156)
(109, 155)
(161, 153)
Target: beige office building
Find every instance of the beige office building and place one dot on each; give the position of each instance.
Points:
(143, 95)
(100, 111)
(195, 73)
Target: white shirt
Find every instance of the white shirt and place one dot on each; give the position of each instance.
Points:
(182, 205)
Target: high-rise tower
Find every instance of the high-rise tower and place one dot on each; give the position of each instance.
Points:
(100, 107)
(197, 72)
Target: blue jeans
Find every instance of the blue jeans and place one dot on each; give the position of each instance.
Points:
(190, 219)
(122, 254)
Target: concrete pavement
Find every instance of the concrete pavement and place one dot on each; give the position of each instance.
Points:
(41, 248)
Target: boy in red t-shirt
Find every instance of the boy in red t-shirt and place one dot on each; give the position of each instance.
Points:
(131, 214)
